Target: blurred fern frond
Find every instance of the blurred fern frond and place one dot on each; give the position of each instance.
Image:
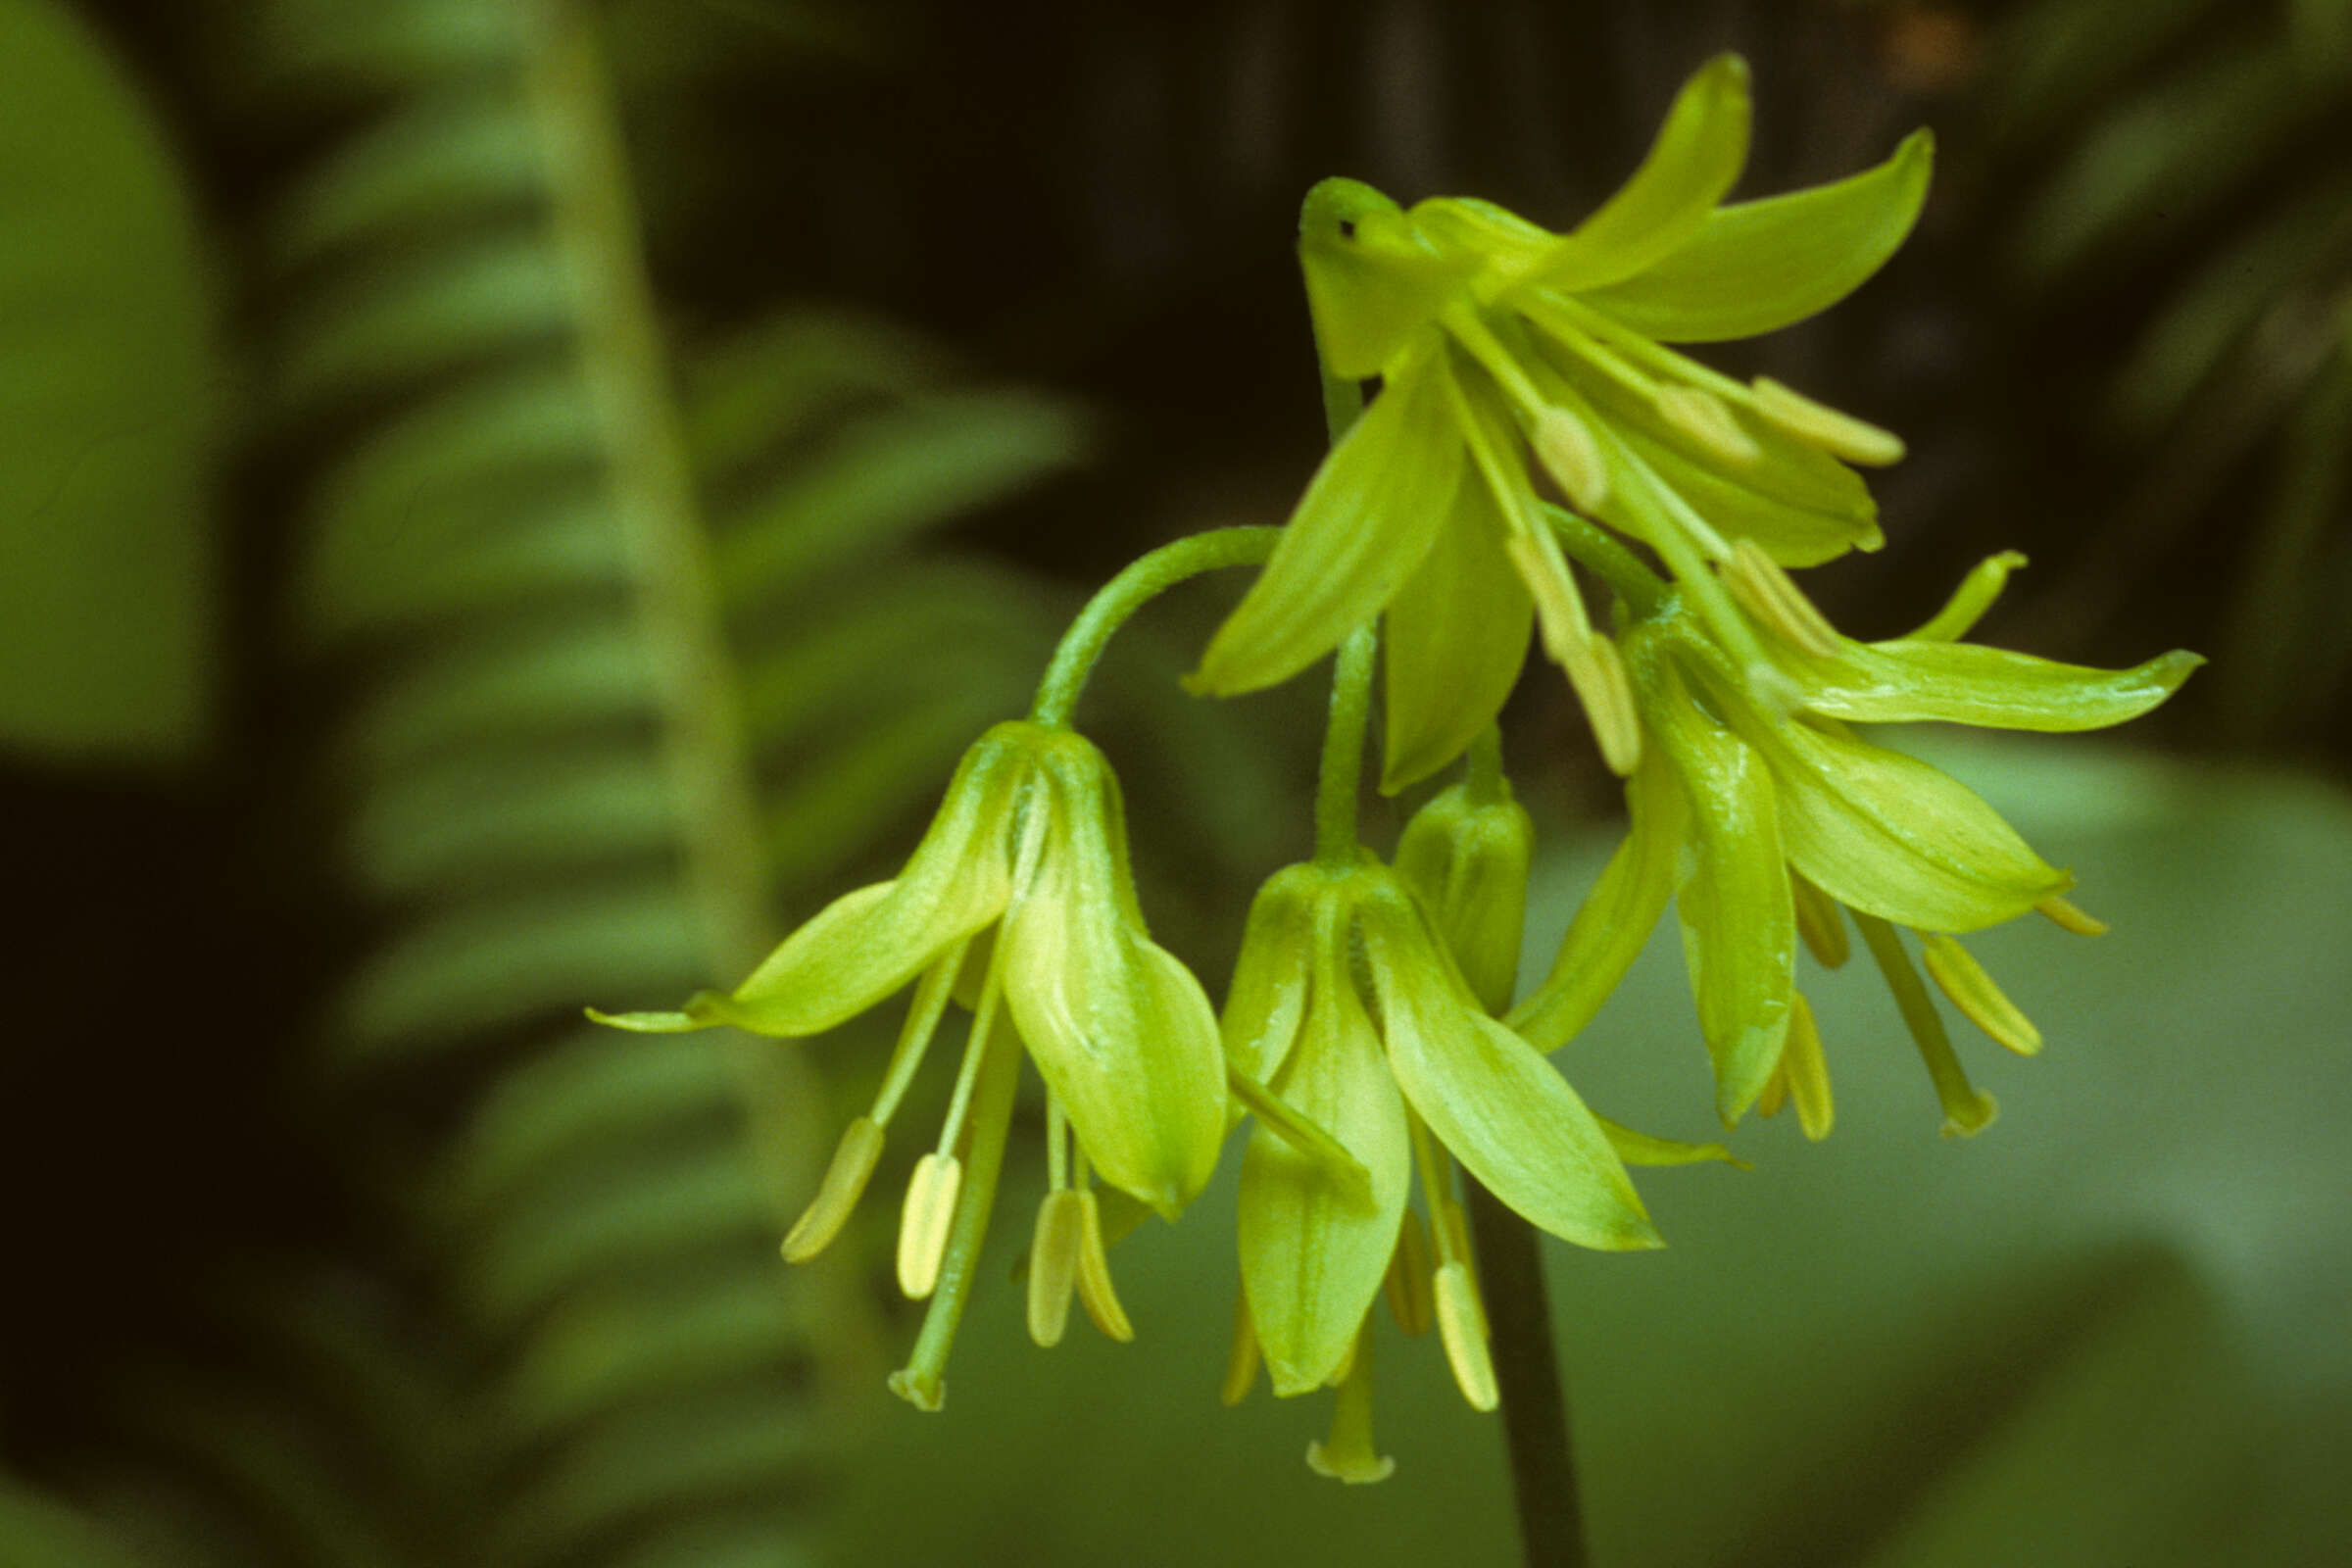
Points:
(622, 663)
(2200, 210)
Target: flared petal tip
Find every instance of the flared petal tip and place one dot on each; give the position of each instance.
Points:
(1725, 72)
(650, 1023)
(2170, 670)
(1637, 1235)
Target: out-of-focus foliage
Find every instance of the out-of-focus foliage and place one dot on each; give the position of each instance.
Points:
(2194, 158)
(110, 399)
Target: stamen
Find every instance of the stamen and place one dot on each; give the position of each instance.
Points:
(1054, 1265)
(967, 1076)
(1966, 1110)
(2067, 918)
(1347, 1454)
(1241, 1363)
(1057, 1138)
(1840, 434)
(931, 993)
(1564, 445)
(1764, 590)
(1963, 979)
(923, 1226)
(1094, 1274)
(1968, 602)
(1406, 1283)
(836, 1199)
(1807, 1071)
(1819, 923)
(1463, 1325)
(1595, 670)
(1705, 419)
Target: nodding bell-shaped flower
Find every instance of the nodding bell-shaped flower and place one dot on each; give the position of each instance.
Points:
(1505, 351)
(1348, 1005)
(1019, 902)
(1762, 815)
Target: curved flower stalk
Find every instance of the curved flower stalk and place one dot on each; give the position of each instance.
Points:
(1019, 902)
(1762, 816)
(1505, 351)
(1345, 1002)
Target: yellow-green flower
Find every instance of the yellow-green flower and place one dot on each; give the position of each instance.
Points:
(1019, 902)
(1761, 815)
(1496, 342)
(1346, 1004)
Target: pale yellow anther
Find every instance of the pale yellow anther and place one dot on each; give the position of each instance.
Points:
(1054, 1265)
(1962, 978)
(1242, 1362)
(1840, 434)
(1819, 923)
(1602, 686)
(923, 1226)
(1463, 1325)
(1406, 1283)
(1564, 445)
(1705, 419)
(1094, 1274)
(1807, 1071)
(1590, 661)
(845, 1182)
(1764, 591)
(2067, 918)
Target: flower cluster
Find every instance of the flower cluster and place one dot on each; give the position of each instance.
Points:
(1370, 1029)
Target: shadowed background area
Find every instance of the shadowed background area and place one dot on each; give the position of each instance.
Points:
(515, 505)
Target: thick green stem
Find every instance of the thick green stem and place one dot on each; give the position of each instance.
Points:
(1526, 1372)
(1143, 580)
(1342, 768)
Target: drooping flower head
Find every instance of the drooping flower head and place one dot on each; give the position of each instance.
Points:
(1019, 902)
(1503, 350)
(1348, 1005)
(1762, 815)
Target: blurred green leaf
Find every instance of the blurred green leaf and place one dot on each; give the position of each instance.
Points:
(37, 1532)
(107, 412)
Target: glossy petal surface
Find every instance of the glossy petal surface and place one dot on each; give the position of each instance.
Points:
(1501, 1108)
(1312, 1261)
